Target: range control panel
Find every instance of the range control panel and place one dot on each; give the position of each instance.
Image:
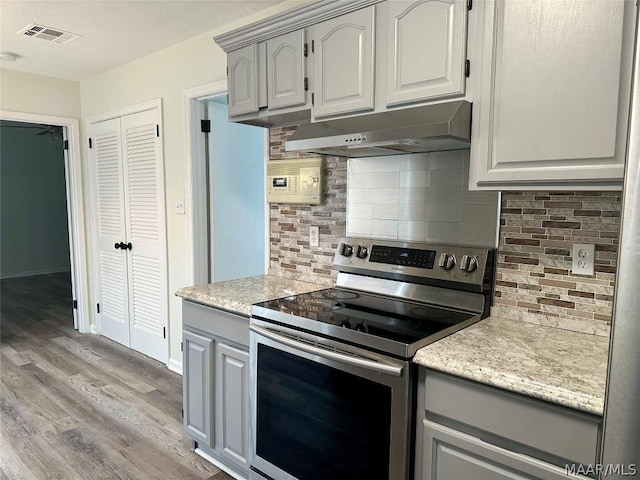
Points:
(454, 263)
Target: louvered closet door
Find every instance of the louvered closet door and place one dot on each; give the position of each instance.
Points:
(112, 275)
(145, 224)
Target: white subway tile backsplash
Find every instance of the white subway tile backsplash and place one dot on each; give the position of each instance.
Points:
(384, 228)
(412, 231)
(419, 197)
(414, 179)
(386, 179)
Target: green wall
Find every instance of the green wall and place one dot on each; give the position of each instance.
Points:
(33, 205)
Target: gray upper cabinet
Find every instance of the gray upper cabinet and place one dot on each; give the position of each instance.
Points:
(344, 63)
(198, 387)
(554, 94)
(232, 399)
(286, 71)
(426, 50)
(242, 80)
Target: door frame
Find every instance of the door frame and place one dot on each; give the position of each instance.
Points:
(195, 100)
(75, 208)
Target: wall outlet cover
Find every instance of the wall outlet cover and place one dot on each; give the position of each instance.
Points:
(584, 257)
(314, 236)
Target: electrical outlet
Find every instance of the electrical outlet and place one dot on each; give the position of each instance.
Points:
(314, 236)
(584, 257)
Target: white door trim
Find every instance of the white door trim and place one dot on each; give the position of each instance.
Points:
(75, 208)
(194, 108)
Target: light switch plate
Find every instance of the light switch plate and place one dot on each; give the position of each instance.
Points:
(314, 236)
(180, 206)
(584, 257)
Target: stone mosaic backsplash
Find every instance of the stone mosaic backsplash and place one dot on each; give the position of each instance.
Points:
(537, 231)
(534, 279)
(291, 255)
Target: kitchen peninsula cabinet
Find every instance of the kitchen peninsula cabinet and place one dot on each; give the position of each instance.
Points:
(344, 64)
(552, 106)
(216, 384)
(470, 430)
(426, 50)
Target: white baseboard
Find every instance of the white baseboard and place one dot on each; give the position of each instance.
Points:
(175, 366)
(220, 465)
(94, 329)
(33, 273)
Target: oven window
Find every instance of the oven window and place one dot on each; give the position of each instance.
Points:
(316, 422)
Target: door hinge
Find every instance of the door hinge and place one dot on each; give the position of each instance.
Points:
(90, 144)
(66, 145)
(157, 130)
(313, 98)
(98, 307)
(306, 50)
(164, 332)
(227, 70)
(182, 412)
(205, 126)
(313, 46)
(75, 304)
(306, 84)
(181, 346)
(467, 68)
(469, 4)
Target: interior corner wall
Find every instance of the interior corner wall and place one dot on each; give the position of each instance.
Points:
(33, 226)
(28, 93)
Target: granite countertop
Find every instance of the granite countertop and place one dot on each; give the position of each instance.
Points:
(237, 296)
(559, 366)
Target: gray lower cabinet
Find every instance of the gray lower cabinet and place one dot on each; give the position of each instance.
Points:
(466, 430)
(216, 384)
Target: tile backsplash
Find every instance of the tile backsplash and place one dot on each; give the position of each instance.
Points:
(534, 279)
(419, 197)
(409, 196)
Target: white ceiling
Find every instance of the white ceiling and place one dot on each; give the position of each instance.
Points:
(113, 32)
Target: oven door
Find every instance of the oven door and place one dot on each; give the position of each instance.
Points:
(321, 409)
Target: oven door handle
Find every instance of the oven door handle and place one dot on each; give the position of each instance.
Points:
(374, 365)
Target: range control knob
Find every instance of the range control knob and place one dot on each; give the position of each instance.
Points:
(468, 263)
(446, 261)
(346, 250)
(362, 251)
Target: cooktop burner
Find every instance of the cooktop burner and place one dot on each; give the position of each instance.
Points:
(391, 319)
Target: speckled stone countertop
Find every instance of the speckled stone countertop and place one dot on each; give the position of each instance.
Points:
(237, 296)
(559, 366)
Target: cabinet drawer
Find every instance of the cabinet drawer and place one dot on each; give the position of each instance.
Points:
(556, 430)
(216, 322)
(453, 455)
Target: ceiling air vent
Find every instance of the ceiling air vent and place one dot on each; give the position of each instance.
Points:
(47, 33)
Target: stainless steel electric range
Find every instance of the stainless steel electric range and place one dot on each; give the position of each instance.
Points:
(333, 386)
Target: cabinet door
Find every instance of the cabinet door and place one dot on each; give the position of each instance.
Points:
(426, 48)
(452, 455)
(286, 70)
(554, 98)
(197, 384)
(232, 404)
(242, 81)
(344, 62)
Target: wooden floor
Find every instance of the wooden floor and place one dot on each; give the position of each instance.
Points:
(79, 406)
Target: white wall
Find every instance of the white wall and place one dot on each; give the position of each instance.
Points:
(28, 93)
(165, 74)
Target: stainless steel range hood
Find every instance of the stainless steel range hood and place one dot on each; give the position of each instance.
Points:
(444, 126)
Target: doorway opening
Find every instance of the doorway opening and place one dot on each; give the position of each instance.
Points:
(42, 244)
(229, 220)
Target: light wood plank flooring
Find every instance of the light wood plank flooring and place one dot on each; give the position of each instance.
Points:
(79, 406)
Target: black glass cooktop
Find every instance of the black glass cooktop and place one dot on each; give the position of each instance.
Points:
(395, 320)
